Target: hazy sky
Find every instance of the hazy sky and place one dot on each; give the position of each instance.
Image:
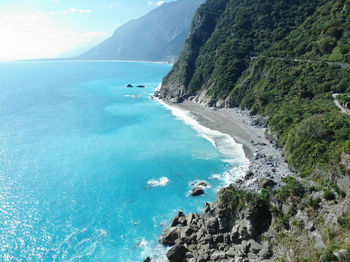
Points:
(46, 28)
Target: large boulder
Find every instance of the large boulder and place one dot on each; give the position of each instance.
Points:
(176, 253)
(169, 235)
(197, 191)
(178, 219)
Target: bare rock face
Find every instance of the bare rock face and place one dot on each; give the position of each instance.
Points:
(176, 253)
(218, 235)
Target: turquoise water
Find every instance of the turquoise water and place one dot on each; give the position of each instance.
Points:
(78, 153)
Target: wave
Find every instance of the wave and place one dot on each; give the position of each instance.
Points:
(163, 181)
(230, 151)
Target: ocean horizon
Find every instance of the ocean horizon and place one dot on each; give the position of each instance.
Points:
(92, 170)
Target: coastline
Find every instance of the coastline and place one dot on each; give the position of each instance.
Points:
(266, 161)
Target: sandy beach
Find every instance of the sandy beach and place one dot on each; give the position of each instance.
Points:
(265, 159)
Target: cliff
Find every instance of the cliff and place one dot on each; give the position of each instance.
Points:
(281, 60)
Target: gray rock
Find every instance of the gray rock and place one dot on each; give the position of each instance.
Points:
(176, 253)
(248, 175)
(148, 259)
(218, 256)
(197, 191)
(175, 220)
(202, 184)
(212, 225)
(169, 235)
(266, 182)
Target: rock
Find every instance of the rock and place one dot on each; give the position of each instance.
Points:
(141, 86)
(212, 225)
(248, 175)
(202, 184)
(255, 247)
(148, 259)
(342, 255)
(129, 85)
(218, 256)
(197, 191)
(176, 253)
(192, 218)
(266, 182)
(207, 207)
(175, 220)
(169, 235)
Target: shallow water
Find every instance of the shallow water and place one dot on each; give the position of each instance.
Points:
(90, 169)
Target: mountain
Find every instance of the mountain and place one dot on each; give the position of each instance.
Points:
(157, 36)
(81, 48)
(283, 60)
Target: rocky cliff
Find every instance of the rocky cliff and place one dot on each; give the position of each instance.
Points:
(282, 60)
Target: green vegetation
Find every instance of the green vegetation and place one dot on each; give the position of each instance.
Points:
(301, 51)
(294, 94)
(344, 100)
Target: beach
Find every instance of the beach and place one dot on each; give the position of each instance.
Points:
(266, 160)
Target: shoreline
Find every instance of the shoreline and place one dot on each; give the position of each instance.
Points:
(267, 165)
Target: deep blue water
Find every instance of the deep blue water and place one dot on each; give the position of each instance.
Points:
(77, 153)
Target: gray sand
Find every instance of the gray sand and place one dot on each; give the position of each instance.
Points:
(266, 160)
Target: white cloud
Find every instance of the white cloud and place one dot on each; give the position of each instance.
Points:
(55, 1)
(149, 2)
(159, 3)
(24, 37)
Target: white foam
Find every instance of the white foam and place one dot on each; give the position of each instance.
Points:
(163, 181)
(230, 151)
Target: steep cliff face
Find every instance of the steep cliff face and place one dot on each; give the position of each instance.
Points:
(279, 58)
(223, 36)
(158, 36)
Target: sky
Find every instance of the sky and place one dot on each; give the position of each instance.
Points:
(47, 28)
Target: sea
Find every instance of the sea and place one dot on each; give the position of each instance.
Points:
(91, 170)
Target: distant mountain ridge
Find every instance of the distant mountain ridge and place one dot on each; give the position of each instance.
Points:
(158, 36)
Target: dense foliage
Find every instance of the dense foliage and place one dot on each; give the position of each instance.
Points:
(302, 113)
(291, 79)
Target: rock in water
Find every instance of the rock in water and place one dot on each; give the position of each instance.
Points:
(129, 85)
(176, 253)
(148, 259)
(197, 191)
(141, 86)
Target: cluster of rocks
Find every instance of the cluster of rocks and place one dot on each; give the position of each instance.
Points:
(268, 162)
(217, 235)
(198, 189)
(131, 86)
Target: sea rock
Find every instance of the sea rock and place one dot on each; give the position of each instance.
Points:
(141, 86)
(169, 235)
(176, 253)
(148, 259)
(266, 182)
(197, 191)
(129, 85)
(176, 219)
(202, 184)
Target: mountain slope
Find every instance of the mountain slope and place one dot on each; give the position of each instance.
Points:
(218, 70)
(157, 36)
(282, 59)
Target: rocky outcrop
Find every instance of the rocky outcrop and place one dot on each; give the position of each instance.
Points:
(219, 234)
(197, 191)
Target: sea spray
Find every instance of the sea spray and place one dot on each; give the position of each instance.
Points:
(231, 152)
